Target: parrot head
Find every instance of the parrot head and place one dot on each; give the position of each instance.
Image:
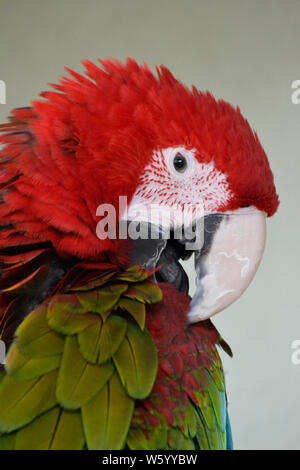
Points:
(180, 157)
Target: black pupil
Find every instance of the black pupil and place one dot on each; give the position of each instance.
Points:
(179, 162)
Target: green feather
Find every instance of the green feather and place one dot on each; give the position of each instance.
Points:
(215, 399)
(78, 380)
(190, 424)
(201, 435)
(67, 316)
(146, 292)
(89, 340)
(208, 406)
(55, 430)
(136, 440)
(136, 309)
(7, 441)
(106, 418)
(25, 367)
(177, 440)
(69, 432)
(100, 341)
(105, 358)
(216, 373)
(35, 337)
(136, 361)
(209, 422)
(156, 438)
(102, 301)
(112, 334)
(133, 274)
(23, 400)
(38, 435)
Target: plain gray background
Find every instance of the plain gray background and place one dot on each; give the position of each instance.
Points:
(247, 52)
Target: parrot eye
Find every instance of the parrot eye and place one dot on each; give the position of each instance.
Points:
(180, 163)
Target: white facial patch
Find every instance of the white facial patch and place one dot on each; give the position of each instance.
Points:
(166, 192)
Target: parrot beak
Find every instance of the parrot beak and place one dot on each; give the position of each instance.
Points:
(228, 260)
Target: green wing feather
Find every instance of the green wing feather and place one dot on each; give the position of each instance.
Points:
(57, 429)
(199, 423)
(67, 384)
(107, 416)
(210, 420)
(136, 362)
(82, 362)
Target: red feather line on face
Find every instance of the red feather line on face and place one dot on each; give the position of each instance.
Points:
(88, 142)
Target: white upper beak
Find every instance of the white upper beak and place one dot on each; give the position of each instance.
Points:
(225, 271)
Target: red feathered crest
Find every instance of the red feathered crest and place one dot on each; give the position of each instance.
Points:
(88, 142)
